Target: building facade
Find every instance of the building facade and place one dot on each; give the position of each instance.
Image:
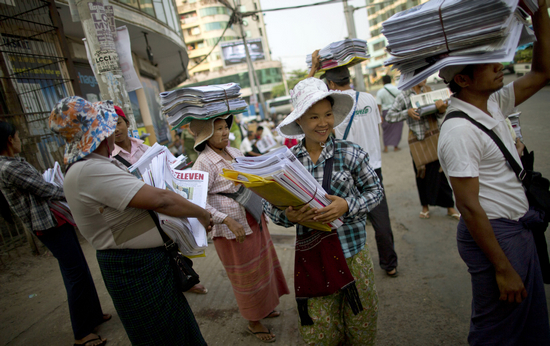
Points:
(43, 60)
(377, 43)
(203, 22)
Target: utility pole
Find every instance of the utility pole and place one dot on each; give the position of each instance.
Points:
(100, 40)
(359, 82)
(251, 72)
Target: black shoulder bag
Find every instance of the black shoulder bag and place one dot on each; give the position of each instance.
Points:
(537, 189)
(184, 274)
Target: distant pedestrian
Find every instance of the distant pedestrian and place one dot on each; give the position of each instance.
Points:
(27, 194)
(433, 188)
(391, 132)
(110, 207)
(334, 275)
(496, 233)
(363, 130)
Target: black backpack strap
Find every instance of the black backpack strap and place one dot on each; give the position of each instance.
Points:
(520, 172)
(121, 159)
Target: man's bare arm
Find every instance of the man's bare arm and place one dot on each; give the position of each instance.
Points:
(466, 191)
(315, 65)
(539, 76)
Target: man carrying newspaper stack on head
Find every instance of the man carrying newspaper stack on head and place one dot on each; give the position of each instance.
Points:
(364, 131)
(495, 236)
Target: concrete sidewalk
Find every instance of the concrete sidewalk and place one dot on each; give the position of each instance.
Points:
(33, 304)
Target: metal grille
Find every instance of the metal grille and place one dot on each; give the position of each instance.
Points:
(34, 78)
(34, 69)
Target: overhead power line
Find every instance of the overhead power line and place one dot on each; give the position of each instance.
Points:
(330, 2)
(233, 18)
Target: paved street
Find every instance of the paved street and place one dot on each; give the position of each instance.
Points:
(427, 304)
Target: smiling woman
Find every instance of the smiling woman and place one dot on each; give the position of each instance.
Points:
(334, 275)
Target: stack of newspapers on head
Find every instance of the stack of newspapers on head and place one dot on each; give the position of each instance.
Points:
(188, 233)
(424, 39)
(347, 52)
(283, 181)
(60, 208)
(180, 106)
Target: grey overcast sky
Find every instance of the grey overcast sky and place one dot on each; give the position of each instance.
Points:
(293, 34)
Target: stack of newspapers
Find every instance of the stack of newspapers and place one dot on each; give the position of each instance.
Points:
(439, 33)
(59, 208)
(188, 233)
(347, 52)
(145, 160)
(180, 106)
(283, 181)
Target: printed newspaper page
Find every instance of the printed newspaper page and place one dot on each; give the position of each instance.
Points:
(193, 186)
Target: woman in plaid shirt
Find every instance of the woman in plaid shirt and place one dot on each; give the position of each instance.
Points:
(330, 319)
(27, 195)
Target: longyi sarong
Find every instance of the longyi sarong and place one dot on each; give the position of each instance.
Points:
(254, 271)
(141, 284)
(391, 132)
(496, 322)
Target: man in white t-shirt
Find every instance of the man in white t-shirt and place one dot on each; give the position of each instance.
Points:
(364, 131)
(495, 234)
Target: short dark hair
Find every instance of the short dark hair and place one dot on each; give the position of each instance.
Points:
(341, 83)
(260, 128)
(386, 79)
(468, 71)
(6, 130)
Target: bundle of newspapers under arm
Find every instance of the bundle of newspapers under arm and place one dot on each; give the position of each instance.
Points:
(283, 181)
(188, 233)
(60, 208)
(347, 52)
(180, 106)
(424, 39)
(144, 161)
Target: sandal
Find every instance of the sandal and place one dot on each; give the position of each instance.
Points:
(273, 314)
(425, 214)
(392, 275)
(92, 340)
(257, 334)
(198, 289)
(455, 216)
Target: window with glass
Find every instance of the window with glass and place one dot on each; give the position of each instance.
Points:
(215, 26)
(211, 11)
(147, 7)
(133, 3)
(194, 31)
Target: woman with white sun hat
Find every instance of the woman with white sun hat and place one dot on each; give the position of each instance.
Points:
(334, 275)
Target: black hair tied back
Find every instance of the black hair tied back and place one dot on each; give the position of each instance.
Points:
(6, 130)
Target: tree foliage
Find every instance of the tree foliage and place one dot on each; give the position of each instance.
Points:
(292, 79)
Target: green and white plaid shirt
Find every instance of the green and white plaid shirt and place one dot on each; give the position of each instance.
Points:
(352, 179)
(28, 193)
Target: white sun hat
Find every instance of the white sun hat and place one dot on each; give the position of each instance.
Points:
(304, 95)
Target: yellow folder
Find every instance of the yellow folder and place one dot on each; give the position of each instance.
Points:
(271, 191)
